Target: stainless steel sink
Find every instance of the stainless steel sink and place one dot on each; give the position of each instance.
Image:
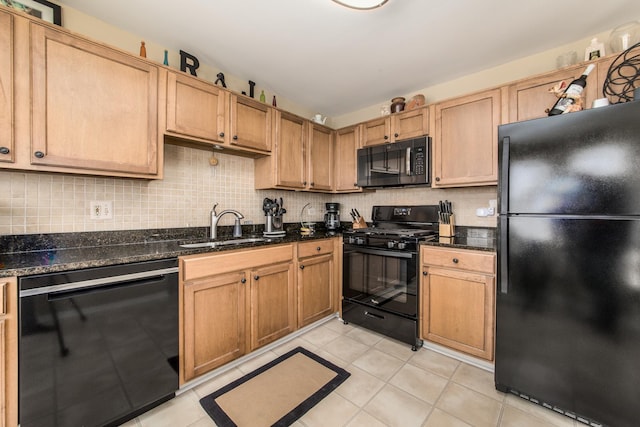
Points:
(224, 243)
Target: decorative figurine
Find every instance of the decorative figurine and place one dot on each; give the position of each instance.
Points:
(166, 58)
(220, 78)
(192, 66)
(251, 86)
(143, 50)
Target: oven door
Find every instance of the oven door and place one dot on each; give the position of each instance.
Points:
(381, 278)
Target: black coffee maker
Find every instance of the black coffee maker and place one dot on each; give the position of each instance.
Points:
(332, 216)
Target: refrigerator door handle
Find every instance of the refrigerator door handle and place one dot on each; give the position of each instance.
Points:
(503, 182)
(503, 254)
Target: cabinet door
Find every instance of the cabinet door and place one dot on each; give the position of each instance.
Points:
(315, 288)
(214, 322)
(8, 352)
(376, 131)
(529, 98)
(465, 144)
(7, 144)
(458, 310)
(94, 108)
(345, 161)
(196, 108)
(410, 124)
(320, 158)
(272, 313)
(250, 124)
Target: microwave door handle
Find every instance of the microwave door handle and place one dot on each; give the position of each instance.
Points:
(408, 161)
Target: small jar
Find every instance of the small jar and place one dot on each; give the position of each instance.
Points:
(397, 104)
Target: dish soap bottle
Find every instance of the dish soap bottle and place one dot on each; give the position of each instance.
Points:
(571, 93)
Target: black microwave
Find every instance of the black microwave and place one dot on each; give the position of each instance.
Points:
(395, 164)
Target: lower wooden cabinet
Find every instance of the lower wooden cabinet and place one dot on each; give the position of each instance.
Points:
(317, 280)
(458, 299)
(8, 352)
(231, 303)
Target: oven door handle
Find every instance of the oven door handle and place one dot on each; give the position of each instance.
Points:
(381, 252)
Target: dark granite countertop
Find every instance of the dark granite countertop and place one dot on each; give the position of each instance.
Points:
(22, 255)
(475, 238)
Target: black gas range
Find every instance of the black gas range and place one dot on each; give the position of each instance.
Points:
(380, 274)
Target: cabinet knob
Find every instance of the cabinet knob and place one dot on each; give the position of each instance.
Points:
(437, 178)
(256, 277)
(355, 184)
(424, 273)
(39, 154)
(221, 134)
(304, 183)
(386, 137)
(312, 184)
(4, 150)
(396, 135)
(318, 248)
(302, 267)
(243, 280)
(235, 137)
(455, 260)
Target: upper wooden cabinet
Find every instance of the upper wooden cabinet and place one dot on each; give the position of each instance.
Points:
(465, 140)
(530, 98)
(250, 124)
(320, 158)
(286, 167)
(196, 109)
(396, 127)
(7, 146)
(94, 109)
(345, 161)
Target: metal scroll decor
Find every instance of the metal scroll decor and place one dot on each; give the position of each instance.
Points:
(623, 76)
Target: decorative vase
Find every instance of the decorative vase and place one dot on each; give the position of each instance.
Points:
(397, 104)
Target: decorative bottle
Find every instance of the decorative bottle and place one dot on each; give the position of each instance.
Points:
(166, 58)
(143, 50)
(571, 93)
(262, 97)
(274, 103)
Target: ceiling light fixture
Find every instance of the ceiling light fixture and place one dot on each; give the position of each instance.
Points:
(361, 4)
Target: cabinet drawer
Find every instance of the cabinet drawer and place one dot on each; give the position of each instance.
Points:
(316, 247)
(196, 266)
(461, 259)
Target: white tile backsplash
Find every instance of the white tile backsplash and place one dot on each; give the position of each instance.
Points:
(33, 202)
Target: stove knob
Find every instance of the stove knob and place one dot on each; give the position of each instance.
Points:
(391, 244)
(402, 245)
(359, 241)
(351, 240)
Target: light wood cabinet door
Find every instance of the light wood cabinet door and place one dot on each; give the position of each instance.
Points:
(196, 109)
(320, 158)
(250, 124)
(345, 163)
(93, 108)
(214, 322)
(530, 98)
(8, 352)
(7, 143)
(315, 288)
(272, 309)
(457, 302)
(409, 124)
(465, 141)
(286, 167)
(376, 131)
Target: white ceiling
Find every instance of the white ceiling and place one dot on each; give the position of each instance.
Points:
(335, 60)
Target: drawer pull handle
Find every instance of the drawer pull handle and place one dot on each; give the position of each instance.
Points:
(455, 260)
(375, 316)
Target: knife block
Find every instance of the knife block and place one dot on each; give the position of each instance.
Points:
(360, 223)
(447, 230)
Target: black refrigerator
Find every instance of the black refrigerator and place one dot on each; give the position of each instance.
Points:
(568, 291)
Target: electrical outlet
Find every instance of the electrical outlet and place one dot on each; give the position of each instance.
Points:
(311, 211)
(493, 203)
(101, 209)
(491, 211)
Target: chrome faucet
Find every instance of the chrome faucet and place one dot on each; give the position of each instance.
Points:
(237, 228)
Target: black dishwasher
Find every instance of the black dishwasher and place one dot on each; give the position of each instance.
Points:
(97, 346)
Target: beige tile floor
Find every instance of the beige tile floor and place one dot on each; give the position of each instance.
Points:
(390, 385)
